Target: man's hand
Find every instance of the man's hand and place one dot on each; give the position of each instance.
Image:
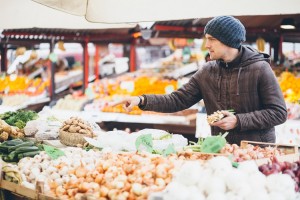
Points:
(228, 122)
(128, 103)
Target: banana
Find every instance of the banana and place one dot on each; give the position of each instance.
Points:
(171, 45)
(260, 43)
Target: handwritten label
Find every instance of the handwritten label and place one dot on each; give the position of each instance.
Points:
(53, 152)
(144, 142)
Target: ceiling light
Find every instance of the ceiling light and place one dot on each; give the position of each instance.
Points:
(288, 23)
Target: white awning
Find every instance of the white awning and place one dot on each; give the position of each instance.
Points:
(16, 14)
(128, 11)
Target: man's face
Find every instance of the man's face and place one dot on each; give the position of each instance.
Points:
(217, 50)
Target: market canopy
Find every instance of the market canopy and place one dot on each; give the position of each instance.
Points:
(130, 11)
(16, 14)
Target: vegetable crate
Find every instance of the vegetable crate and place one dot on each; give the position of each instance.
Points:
(291, 152)
(25, 192)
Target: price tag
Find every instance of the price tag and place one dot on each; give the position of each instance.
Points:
(144, 142)
(53, 57)
(169, 150)
(53, 152)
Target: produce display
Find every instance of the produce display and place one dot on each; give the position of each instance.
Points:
(14, 100)
(74, 130)
(83, 173)
(18, 118)
(9, 132)
(290, 86)
(22, 85)
(12, 173)
(120, 169)
(276, 167)
(217, 179)
(127, 85)
(14, 150)
(71, 102)
(250, 152)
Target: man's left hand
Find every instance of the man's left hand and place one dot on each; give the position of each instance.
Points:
(228, 122)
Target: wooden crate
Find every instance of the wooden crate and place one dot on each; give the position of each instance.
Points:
(24, 192)
(291, 151)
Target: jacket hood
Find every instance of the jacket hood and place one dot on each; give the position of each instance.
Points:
(247, 55)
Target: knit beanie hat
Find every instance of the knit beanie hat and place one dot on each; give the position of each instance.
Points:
(227, 29)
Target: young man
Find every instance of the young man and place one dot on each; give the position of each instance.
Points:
(237, 77)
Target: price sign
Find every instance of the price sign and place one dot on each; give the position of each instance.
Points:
(53, 152)
(144, 142)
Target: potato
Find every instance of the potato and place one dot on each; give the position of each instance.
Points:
(83, 125)
(65, 128)
(83, 131)
(74, 129)
(3, 136)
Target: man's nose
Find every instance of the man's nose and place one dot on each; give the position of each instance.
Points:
(207, 45)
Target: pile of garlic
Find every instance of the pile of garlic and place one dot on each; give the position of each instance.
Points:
(218, 180)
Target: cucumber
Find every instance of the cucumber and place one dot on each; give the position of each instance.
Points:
(27, 154)
(24, 144)
(12, 155)
(3, 149)
(26, 149)
(12, 142)
(7, 159)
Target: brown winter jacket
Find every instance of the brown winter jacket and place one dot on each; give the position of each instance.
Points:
(247, 85)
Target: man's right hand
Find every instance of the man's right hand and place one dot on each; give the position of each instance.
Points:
(128, 103)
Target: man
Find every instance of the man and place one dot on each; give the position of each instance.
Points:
(237, 77)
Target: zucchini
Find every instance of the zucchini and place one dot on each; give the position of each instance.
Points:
(3, 149)
(27, 154)
(26, 149)
(24, 144)
(7, 159)
(12, 142)
(12, 155)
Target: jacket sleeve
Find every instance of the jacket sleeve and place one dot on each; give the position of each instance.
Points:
(273, 108)
(181, 99)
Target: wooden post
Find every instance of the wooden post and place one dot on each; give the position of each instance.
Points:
(85, 64)
(3, 58)
(280, 47)
(132, 56)
(96, 60)
(52, 72)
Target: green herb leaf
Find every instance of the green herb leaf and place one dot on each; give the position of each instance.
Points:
(144, 142)
(53, 152)
(169, 150)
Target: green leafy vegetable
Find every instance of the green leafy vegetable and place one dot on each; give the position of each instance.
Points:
(18, 118)
(144, 142)
(213, 144)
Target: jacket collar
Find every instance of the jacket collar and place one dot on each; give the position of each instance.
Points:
(234, 63)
